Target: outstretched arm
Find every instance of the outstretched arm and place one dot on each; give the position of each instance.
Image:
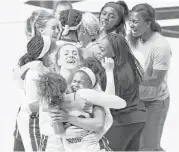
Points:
(100, 98)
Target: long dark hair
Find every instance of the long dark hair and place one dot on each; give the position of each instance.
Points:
(123, 55)
(147, 12)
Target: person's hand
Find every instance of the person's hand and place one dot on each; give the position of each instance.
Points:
(92, 138)
(108, 63)
(75, 132)
(59, 115)
(98, 55)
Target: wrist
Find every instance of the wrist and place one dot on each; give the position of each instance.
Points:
(109, 70)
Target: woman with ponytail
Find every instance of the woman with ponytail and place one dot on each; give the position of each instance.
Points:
(128, 123)
(32, 64)
(154, 53)
(42, 22)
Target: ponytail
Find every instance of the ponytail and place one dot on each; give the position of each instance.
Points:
(155, 27)
(25, 59)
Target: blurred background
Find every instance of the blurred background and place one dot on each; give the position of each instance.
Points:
(13, 14)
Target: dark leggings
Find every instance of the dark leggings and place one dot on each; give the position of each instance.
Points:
(126, 137)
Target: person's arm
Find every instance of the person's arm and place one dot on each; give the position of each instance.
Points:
(31, 90)
(161, 64)
(155, 80)
(108, 65)
(100, 98)
(94, 124)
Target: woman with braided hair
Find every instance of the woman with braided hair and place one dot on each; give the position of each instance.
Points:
(27, 119)
(40, 22)
(128, 122)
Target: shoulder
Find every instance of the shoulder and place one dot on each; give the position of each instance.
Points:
(32, 74)
(161, 42)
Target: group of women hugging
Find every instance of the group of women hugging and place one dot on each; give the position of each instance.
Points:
(88, 84)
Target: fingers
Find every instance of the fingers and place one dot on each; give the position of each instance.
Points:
(107, 61)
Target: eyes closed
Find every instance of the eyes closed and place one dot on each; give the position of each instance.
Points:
(74, 52)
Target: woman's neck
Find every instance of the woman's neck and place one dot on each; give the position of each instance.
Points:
(147, 35)
(68, 74)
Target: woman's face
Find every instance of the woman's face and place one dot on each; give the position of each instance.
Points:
(51, 29)
(68, 57)
(105, 49)
(108, 18)
(80, 81)
(137, 24)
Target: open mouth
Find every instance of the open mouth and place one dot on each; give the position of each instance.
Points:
(104, 23)
(71, 61)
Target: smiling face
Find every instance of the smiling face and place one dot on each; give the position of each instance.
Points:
(81, 81)
(108, 18)
(51, 29)
(68, 57)
(104, 49)
(137, 24)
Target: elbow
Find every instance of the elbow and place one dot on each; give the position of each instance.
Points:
(122, 104)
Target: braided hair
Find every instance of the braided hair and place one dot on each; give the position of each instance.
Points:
(123, 55)
(34, 49)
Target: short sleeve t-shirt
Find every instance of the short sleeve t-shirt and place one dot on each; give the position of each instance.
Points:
(154, 54)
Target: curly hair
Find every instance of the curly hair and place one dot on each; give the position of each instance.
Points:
(51, 88)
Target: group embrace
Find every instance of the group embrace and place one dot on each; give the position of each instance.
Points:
(91, 85)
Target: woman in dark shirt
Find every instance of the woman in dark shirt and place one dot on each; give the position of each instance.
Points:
(128, 122)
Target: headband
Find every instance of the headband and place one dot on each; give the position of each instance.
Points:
(90, 73)
(114, 6)
(47, 43)
(67, 28)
